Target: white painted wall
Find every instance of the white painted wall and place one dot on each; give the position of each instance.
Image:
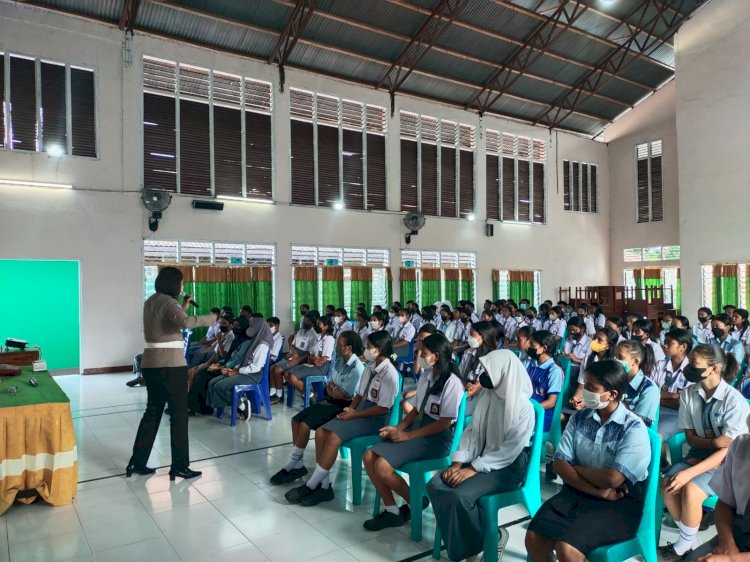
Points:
(102, 221)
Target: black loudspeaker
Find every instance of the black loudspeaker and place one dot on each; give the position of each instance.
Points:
(489, 229)
(210, 205)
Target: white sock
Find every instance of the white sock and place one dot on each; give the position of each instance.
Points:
(391, 509)
(317, 477)
(295, 459)
(326, 482)
(279, 392)
(688, 536)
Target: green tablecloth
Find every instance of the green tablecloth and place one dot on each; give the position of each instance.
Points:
(48, 390)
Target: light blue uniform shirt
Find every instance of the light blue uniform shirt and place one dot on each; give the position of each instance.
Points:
(621, 443)
(347, 376)
(731, 345)
(643, 398)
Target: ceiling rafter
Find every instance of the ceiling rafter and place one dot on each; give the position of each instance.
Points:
(617, 60)
(128, 15)
(301, 14)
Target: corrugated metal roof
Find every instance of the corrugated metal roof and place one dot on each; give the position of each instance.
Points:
(324, 60)
(352, 38)
(104, 9)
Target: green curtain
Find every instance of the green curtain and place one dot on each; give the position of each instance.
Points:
(466, 285)
(388, 289)
(726, 286)
(361, 288)
(495, 284)
(408, 284)
(521, 290)
(430, 286)
(305, 290)
(678, 293)
(333, 286)
(452, 288)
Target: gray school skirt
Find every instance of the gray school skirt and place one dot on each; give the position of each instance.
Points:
(419, 449)
(302, 371)
(349, 429)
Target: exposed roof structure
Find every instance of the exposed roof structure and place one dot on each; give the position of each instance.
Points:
(567, 64)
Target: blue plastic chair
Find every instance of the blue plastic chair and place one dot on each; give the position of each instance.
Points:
(186, 334)
(256, 393)
(530, 494)
(420, 473)
(647, 538)
(406, 364)
(316, 382)
(357, 446)
(675, 444)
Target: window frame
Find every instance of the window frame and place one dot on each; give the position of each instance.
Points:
(650, 175)
(437, 259)
(593, 191)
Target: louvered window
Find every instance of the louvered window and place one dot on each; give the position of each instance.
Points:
(3, 117)
(580, 187)
(23, 103)
(53, 118)
(82, 112)
(649, 183)
(221, 124)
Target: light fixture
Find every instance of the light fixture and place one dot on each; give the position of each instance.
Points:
(470, 217)
(20, 183)
(55, 151)
(245, 199)
(338, 205)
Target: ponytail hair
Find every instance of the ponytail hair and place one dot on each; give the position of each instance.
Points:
(644, 354)
(384, 343)
(444, 366)
(714, 355)
(547, 341)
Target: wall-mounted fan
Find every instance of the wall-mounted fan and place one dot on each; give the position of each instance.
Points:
(413, 221)
(156, 201)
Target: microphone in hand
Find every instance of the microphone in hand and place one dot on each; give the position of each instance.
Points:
(189, 300)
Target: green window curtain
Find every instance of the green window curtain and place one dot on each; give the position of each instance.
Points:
(333, 286)
(640, 283)
(466, 285)
(388, 288)
(305, 290)
(452, 281)
(252, 286)
(212, 288)
(408, 282)
(495, 284)
(361, 288)
(726, 286)
(678, 292)
(430, 286)
(521, 285)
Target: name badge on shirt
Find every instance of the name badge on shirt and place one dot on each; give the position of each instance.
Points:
(710, 434)
(435, 409)
(433, 405)
(303, 344)
(375, 389)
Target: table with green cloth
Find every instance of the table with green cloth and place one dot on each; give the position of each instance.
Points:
(38, 454)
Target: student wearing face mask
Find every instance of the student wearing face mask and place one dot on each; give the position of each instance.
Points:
(577, 344)
(642, 396)
(588, 321)
(377, 322)
(317, 360)
(545, 374)
(303, 342)
(702, 330)
(600, 457)
(278, 340)
(720, 326)
(463, 327)
(414, 317)
(618, 325)
(556, 323)
(741, 327)
(428, 315)
(425, 433)
(535, 322)
(667, 320)
(408, 402)
(677, 346)
(339, 391)
(340, 322)
(630, 319)
(445, 323)
(601, 347)
(491, 457)
(712, 414)
(366, 415)
(543, 317)
(361, 325)
(393, 321)
(404, 335)
(482, 340)
(642, 330)
(512, 327)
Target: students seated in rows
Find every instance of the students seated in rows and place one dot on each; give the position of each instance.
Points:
(702, 330)
(408, 402)
(582, 312)
(329, 310)
(729, 309)
(220, 350)
(642, 330)
(506, 320)
(667, 320)
(339, 392)
(446, 324)
(361, 325)
(317, 361)
(720, 326)
(543, 317)
(414, 318)
(278, 340)
(403, 336)
(303, 342)
(643, 394)
(712, 413)
(341, 322)
(469, 307)
(207, 343)
(511, 329)
(556, 323)
(618, 325)
(482, 340)
(741, 328)
(577, 344)
(677, 346)
(378, 322)
(248, 371)
(425, 433)
(428, 315)
(394, 322)
(630, 319)
(491, 457)
(366, 415)
(603, 455)
(602, 347)
(463, 327)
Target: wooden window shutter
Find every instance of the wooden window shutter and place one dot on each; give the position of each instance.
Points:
(375, 172)
(352, 155)
(508, 196)
(657, 202)
(228, 151)
(566, 185)
(408, 175)
(642, 186)
(539, 193)
(466, 193)
(23, 103)
(159, 142)
(594, 187)
(492, 187)
(329, 191)
(585, 188)
(303, 163)
(447, 181)
(575, 188)
(429, 180)
(83, 112)
(53, 118)
(524, 179)
(258, 155)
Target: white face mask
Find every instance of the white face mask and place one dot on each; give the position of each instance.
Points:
(371, 354)
(374, 325)
(274, 329)
(391, 315)
(473, 342)
(404, 321)
(592, 400)
(424, 364)
(337, 320)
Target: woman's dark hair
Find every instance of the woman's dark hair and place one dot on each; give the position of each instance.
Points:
(543, 309)
(644, 354)
(684, 320)
(597, 309)
(274, 320)
(488, 331)
(716, 356)
(611, 375)
(351, 338)
(327, 323)
(247, 308)
(395, 309)
(383, 342)
(524, 331)
(169, 282)
(557, 310)
(312, 316)
(215, 310)
(427, 328)
(706, 310)
(617, 321)
(341, 311)
(379, 315)
(576, 322)
(428, 313)
(444, 366)
(723, 318)
(547, 341)
(646, 326)
(612, 338)
(745, 324)
(360, 315)
(681, 336)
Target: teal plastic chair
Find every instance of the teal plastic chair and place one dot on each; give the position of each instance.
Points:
(675, 444)
(647, 538)
(530, 495)
(554, 433)
(356, 447)
(420, 473)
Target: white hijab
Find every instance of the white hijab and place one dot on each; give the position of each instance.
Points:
(497, 409)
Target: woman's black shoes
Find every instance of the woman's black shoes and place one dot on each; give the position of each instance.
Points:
(142, 470)
(184, 473)
(138, 381)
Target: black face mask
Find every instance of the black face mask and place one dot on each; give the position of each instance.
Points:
(238, 332)
(693, 374)
(306, 325)
(718, 333)
(637, 338)
(224, 329)
(486, 381)
(532, 353)
(318, 329)
(575, 336)
(703, 319)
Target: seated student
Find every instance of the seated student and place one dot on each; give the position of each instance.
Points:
(224, 339)
(207, 343)
(543, 317)
(618, 325)
(303, 342)
(677, 345)
(414, 317)
(404, 335)
(577, 344)
(361, 325)
(248, 371)
(378, 322)
(702, 330)
(394, 322)
(487, 316)
(545, 374)
(511, 329)
(428, 315)
(482, 340)
(630, 319)
(732, 513)
(341, 322)
(366, 415)
(667, 320)
(681, 322)
(506, 319)
(408, 400)
(446, 324)
(329, 310)
(582, 312)
(278, 340)
(556, 323)
(643, 394)
(491, 457)
(524, 304)
(347, 373)
(602, 462)
(712, 413)
(741, 329)
(317, 362)
(595, 311)
(721, 324)
(523, 340)
(642, 330)
(461, 334)
(602, 347)
(729, 310)
(425, 433)
(469, 306)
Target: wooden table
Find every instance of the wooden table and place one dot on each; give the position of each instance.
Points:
(38, 453)
(19, 358)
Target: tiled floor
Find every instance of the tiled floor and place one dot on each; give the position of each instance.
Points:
(229, 513)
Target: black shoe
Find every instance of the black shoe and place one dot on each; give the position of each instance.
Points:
(295, 495)
(138, 381)
(275, 399)
(319, 495)
(406, 508)
(666, 553)
(191, 414)
(285, 476)
(384, 520)
(184, 473)
(243, 410)
(166, 411)
(549, 472)
(142, 470)
(707, 521)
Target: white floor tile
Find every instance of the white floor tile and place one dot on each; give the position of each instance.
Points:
(293, 546)
(386, 548)
(106, 534)
(154, 549)
(194, 542)
(59, 547)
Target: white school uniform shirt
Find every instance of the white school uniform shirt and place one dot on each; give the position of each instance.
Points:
(580, 348)
(731, 345)
(511, 328)
(702, 333)
(276, 347)
(258, 361)
(600, 321)
(212, 329)
(324, 346)
(384, 386)
(582, 371)
(590, 326)
(416, 321)
(500, 319)
(669, 378)
(743, 338)
(443, 405)
(392, 326)
(345, 326)
(727, 411)
(537, 324)
(659, 354)
(474, 318)
(462, 331)
(226, 341)
(557, 328)
(304, 340)
(405, 332)
(448, 328)
(730, 481)
(364, 332)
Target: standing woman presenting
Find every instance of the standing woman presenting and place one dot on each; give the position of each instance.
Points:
(165, 372)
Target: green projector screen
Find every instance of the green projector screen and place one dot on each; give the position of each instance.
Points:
(39, 303)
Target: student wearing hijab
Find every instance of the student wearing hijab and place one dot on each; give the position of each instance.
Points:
(491, 458)
(250, 371)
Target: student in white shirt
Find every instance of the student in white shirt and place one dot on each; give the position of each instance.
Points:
(681, 322)
(445, 323)
(518, 320)
(361, 325)
(712, 413)
(741, 331)
(278, 340)
(428, 315)
(425, 433)
(630, 319)
(414, 317)
(469, 306)
(302, 344)
(543, 316)
(702, 330)
(463, 326)
(556, 323)
(583, 314)
(616, 323)
(677, 346)
(720, 326)
(341, 322)
(535, 322)
(393, 321)
(403, 335)
(666, 324)
(318, 359)
(595, 311)
(642, 330)
(378, 321)
(577, 345)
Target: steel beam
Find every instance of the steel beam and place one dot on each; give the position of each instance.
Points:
(129, 14)
(301, 14)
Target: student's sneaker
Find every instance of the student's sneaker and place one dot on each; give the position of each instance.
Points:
(406, 508)
(319, 495)
(285, 476)
(666, 553)
(384, 520)
(275, 399)
(295, 495)
(502, 539)
(243, 409)
(549, 472)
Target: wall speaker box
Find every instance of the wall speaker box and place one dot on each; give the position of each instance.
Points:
(210, 205)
